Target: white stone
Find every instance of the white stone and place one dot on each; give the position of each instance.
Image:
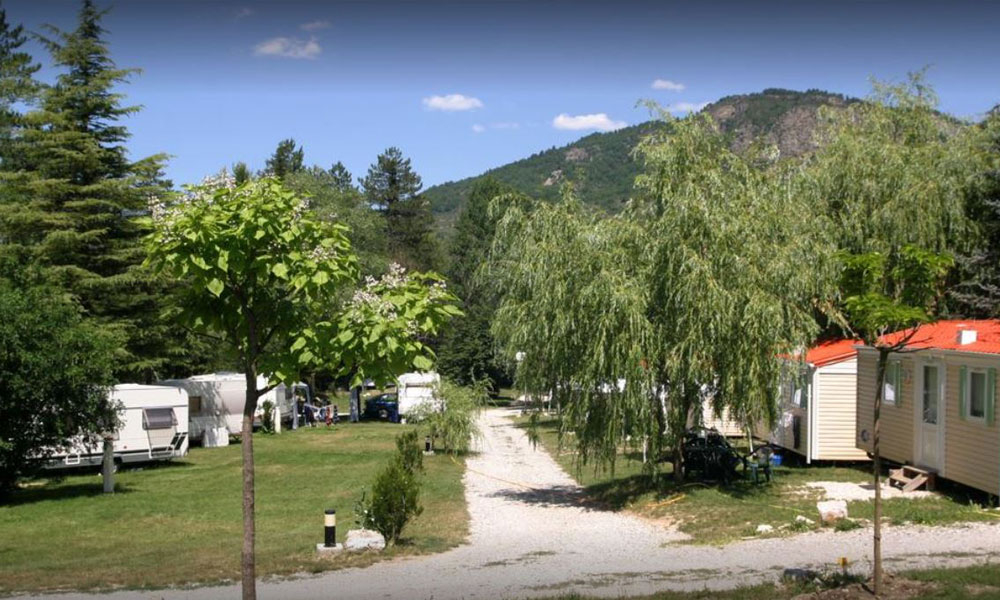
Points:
(364, 539)
(831, 511)
(803, 519)
(764, 528)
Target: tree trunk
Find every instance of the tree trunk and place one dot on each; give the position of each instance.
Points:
(108, 467)
(883, 355)
(247, 559)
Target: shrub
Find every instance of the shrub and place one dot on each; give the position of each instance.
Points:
(454, 422)
(267, 418)
(395, 494)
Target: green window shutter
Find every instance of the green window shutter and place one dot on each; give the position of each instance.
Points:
(962, 399)
(991, 395)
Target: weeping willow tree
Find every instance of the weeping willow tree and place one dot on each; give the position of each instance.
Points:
(891, 175)
(691, 293)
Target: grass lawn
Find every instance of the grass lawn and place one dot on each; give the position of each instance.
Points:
(712, 514)
(180, 523)
(981, 582)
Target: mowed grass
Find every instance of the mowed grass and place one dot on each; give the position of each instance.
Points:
(715, 514)
(981, 582)
(180, 523)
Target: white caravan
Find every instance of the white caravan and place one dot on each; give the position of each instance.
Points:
(153, 426)
(415, 389)
(216, 402)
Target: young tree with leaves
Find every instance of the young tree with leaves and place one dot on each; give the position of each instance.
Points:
(265, 275)
(892, 175)
(55, 374)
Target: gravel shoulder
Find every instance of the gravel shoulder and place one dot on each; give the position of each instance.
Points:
(531, 536)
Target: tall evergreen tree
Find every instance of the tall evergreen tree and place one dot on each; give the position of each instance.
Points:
(392, 187)
(286, 159)
(17, 83)
(241, 173)
(343, 181)
(72, 200)
(466, 351)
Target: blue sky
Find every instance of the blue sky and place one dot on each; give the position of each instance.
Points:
(462, 87)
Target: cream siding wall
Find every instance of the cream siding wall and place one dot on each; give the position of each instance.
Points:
(971, 449)
(725, 424)
(897, 421)
(836, 408)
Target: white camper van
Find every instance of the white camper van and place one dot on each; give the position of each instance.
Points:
(154, 426)
(415, 389)
(216, 402)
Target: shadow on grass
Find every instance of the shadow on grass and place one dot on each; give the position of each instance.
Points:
(44, 493)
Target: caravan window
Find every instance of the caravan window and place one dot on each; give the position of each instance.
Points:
(158, 418)
(977, 394)
(194, 405)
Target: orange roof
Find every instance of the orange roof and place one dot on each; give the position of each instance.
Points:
(831, 351)
(944, 335)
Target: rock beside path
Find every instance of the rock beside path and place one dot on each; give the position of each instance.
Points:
(359, 540)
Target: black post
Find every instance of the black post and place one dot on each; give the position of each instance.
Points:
(427, 444)
(330, 528)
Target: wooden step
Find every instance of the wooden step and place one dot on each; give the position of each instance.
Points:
(910, 478)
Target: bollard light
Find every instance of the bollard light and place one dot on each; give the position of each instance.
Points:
(330, 528)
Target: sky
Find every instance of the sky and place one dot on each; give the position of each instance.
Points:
(461, 87)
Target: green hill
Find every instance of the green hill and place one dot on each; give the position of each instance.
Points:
(601, 166)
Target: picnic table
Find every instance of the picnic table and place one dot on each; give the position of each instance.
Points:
(712, 457)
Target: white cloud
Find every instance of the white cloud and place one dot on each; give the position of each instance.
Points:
(244, 11)
(599, 121)
(480, 128)
(666, 84)
(452, 102)
(315, 25)
(686, 107)
(288, 48)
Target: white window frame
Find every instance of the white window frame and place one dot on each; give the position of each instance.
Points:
(889, 365)
(969, 370)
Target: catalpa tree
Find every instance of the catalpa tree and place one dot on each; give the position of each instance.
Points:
(258, 270)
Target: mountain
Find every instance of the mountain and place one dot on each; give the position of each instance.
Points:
(601, 165)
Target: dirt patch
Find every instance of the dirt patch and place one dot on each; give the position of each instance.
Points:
(893, 588)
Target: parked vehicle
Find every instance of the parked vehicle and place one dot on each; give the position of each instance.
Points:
(382, 406)
(216, 402)
(153, 426)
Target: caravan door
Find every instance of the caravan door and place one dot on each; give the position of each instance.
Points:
(161, 428)
(928, 416)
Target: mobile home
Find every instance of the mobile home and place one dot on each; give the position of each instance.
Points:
(939, 408)
(153, 426)
(415, 389)
(216, 402)
(817, 403)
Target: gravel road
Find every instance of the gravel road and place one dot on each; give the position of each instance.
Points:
(531, 537)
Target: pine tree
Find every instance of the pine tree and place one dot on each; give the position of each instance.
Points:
(17, 84)
(392, 187)
(466, 352)
(286, 159)
(343, 181)
(73, 201)
(241, 173)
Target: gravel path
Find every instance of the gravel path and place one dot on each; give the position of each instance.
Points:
(531, 537)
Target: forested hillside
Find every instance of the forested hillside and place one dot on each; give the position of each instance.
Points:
(601, 165)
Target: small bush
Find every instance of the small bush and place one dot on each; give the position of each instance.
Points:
(408, 451)
(395, 495)
(454, 422)
(846, 525)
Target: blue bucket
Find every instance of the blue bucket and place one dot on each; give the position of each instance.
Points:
(775, 460)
